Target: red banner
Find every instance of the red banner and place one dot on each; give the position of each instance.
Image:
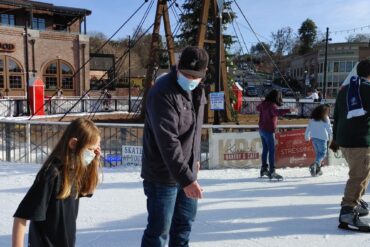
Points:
(292, 150)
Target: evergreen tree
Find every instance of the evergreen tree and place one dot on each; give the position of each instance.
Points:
(190, 22)
(307, 35)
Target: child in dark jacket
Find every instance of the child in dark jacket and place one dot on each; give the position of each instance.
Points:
(269, 113)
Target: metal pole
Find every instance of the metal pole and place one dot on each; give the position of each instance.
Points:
(218, 60)
(325, 62)
(129, 73)
(85, 24)
(27, 66)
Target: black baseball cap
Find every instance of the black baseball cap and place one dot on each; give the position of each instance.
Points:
(194, 61)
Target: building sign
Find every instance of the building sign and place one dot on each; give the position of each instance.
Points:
(6, 47)
(217, 101)
(131, 155)
(235, 150)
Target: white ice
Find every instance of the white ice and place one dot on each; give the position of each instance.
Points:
(238, 208)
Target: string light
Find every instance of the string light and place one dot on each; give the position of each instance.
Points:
(349, 30)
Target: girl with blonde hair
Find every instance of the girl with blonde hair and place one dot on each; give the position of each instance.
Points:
(51, 204)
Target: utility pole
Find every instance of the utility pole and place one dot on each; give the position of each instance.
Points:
(218, 57)
(129, 73)
(27, 65)
(327, 39)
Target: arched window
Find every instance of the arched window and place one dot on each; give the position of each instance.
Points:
(11, 73)
(58, 74)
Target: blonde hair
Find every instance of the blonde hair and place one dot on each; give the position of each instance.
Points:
(77, 179)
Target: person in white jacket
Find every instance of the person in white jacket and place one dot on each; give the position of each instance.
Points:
(319, 130)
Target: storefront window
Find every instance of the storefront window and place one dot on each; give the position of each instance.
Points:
(336, 66)
(7, 20)
(15, 81)
(58, 74)
(38, 23)
(11, 73)
(349, 66)
(342, 67)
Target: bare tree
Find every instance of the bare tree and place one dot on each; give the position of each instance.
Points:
(360, 37)
(282, 41)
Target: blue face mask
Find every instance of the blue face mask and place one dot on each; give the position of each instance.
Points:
(187, 84)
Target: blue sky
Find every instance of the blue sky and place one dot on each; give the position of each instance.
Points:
(265, 16)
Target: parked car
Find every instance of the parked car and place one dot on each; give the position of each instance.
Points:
(287, 92)
(268, 83)
(252, 91)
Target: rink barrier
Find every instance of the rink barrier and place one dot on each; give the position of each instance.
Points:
(121, 144)
(18, 107)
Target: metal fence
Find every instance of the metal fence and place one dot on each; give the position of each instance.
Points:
(32, 142)
(304, 108)
(18, 107)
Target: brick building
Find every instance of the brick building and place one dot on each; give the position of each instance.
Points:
(57, 47)
(342, 57)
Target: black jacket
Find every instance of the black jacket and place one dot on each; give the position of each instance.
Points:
(354, 132)
(172, 132)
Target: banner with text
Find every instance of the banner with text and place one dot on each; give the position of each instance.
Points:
(292, 150)
(235, 150)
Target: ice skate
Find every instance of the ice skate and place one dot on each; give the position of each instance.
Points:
(349, 219)
(318, 170)
(264, 172)
(312, 169)
(275, 176)
(362, 208)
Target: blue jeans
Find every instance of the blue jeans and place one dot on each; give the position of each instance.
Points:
(170, 212)
(268, 149)
(320, 147)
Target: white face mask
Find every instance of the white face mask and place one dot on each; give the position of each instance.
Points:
(88, 156)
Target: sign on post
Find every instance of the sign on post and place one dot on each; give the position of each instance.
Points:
(131, 155)
(217, 101)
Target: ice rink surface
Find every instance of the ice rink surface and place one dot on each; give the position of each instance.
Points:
(239, 209)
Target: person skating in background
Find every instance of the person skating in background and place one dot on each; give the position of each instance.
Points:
(268, 119)
(320, 132)
(51, 204)
(351, 132)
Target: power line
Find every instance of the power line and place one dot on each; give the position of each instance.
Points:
(118, 61)
(263, 46)
(96, 51)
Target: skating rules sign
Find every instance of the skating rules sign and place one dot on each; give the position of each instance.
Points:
(131, 155)
(217, 101)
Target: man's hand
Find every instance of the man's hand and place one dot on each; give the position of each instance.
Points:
(193, 190)
(334, 146)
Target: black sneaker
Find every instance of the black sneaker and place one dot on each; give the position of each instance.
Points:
(276, 176)
(349, 219)
(312, 169)
(362, 209)
(264, 172)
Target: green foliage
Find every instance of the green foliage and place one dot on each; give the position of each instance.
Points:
(259, 49)
(190, 22)
(307, 35)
